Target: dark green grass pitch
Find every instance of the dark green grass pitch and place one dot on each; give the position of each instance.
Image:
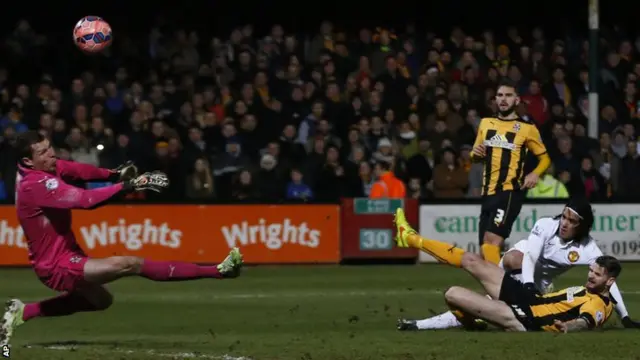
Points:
(314, 312)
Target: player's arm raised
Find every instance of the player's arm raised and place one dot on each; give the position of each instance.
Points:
(479, 150)
(54, 193)
(79, 171)
(86, 172)
(536, 146)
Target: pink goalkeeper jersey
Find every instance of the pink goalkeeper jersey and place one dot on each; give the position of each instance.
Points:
(44, 203)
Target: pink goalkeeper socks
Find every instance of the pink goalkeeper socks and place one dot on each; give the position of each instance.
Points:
(70, 303)
(65, 304)
(177, 271)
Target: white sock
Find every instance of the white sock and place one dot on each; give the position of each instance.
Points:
(442, 321)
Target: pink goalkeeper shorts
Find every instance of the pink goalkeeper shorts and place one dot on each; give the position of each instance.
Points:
(67, 275)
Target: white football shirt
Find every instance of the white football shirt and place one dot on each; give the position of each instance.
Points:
(546, 256)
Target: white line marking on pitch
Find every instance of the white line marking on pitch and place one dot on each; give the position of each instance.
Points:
(174, 355)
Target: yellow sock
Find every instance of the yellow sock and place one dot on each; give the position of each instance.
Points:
(443, 252)
(469, 322)
(459, 315)
(491, 253)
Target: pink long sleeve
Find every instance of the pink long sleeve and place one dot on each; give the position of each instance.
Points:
(79, 171)
(54, 193)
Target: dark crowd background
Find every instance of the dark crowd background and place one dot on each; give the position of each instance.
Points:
(306, 101)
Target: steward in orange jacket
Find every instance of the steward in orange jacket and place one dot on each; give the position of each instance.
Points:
(388, 185)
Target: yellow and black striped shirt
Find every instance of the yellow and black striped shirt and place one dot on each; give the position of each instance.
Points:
(571, 304)
(507, 143)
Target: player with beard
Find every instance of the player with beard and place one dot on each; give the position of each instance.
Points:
(514, 306)
(555, 245)
(502, 144)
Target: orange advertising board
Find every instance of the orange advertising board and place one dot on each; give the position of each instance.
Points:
(195, 233)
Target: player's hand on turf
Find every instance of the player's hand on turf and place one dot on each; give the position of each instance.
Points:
(480, 151)
(561, 326)
(154, 181)
(126, 171)
(630, 324)
(530, 181)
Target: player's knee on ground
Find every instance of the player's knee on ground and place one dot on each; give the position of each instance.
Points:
(125, 265)
(512, 260)
(471, 260)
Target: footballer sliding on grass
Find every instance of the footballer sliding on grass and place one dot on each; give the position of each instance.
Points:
(517, 307)
(554, 245)
(44, 202)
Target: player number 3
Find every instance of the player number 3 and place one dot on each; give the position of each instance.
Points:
(499, 216)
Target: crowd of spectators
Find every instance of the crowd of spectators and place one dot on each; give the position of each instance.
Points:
(243, 117)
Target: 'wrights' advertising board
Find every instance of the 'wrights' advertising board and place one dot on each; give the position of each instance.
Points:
(616, 226)
(195, 233)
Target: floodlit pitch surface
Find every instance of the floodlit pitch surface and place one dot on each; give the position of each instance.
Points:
(302, 312)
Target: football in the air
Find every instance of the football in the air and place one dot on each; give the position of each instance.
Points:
(92, 34)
